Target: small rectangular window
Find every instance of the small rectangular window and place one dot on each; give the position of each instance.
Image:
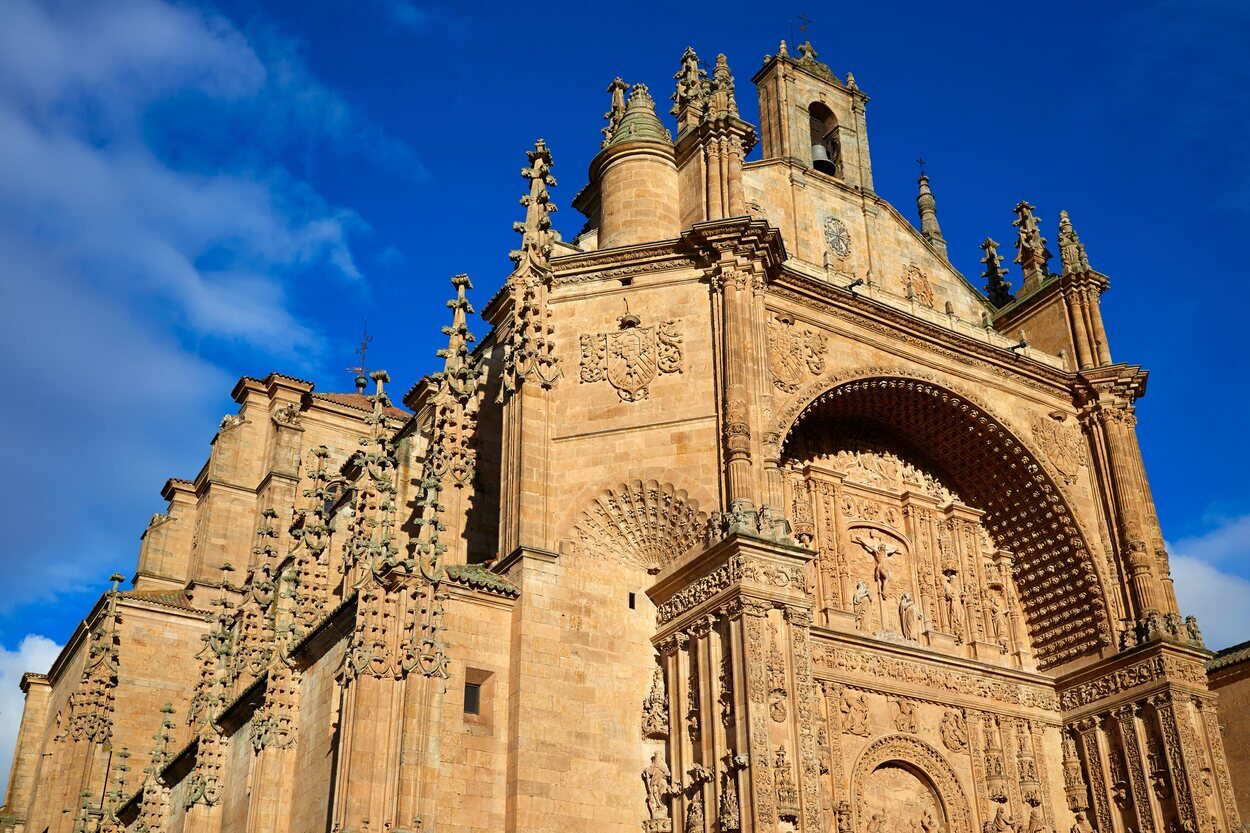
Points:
(472, 698)
(631, 601)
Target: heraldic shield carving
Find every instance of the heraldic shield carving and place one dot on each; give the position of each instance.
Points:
(791, 351)
(631, 358)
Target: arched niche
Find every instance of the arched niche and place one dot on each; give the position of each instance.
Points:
(907, 778)
(987, 468)
(826, 144)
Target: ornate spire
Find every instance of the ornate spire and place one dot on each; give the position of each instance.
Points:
(1071, 249)
(1031, 252)
(528, 347)
(91, 705)
(639, 123)
(459, 375)
(690, 97)
(536, 233)
(617, 89)
(929, 227)
(997, 288)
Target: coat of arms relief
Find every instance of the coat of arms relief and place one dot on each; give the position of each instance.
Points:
(632, 357)
(1062, 443)
(791, 351)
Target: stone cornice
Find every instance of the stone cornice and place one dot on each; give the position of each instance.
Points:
(823, 297)
(1130, 676)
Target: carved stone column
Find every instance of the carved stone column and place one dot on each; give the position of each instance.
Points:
(754, 590)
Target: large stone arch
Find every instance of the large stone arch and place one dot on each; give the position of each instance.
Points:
(994, 469)
(923, 760)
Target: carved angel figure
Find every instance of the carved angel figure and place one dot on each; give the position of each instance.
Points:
(860, 602)
(881, 551)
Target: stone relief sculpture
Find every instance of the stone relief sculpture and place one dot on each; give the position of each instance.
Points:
(881, 551)
(954, 731)
(631, 359)
(1082, 824)
(655, 709)
(904, 715)
(855, 714)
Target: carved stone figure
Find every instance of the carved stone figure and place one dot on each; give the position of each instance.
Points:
(904, 715)
(909, 616)
(876, 823)
(1082, 825)
(1037, 824)
(998, 620)
(954, 731)
(860, 603)
(954, 605)
(881, 551)
(659, 782)
(1001, 823)
(855, 714)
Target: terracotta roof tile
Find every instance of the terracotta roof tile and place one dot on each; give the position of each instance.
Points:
(359, 402)
(1233, 655)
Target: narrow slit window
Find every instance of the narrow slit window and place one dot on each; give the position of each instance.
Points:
(472, 698)
(631, 601)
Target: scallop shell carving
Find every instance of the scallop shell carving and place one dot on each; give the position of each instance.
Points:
(643, 524)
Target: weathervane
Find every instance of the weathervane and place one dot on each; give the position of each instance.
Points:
(362, 370)
(804, 22)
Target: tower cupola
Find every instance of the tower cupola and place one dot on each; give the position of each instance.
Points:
(632, 195)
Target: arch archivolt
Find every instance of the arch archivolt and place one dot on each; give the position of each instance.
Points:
(959, 471)
(929, 767)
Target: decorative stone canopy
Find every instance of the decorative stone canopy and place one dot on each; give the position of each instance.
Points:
(640, 123)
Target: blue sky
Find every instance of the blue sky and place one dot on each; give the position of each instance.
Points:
(193, 192)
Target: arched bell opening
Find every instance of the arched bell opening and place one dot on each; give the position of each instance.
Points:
(902, 486)
(826, 147)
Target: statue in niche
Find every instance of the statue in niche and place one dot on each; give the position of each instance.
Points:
(998, 620)
(659, 783)
(1036, 823)
(881, 551)
(1082, 824)
(909, 616)
(954, 606)
(860, 603)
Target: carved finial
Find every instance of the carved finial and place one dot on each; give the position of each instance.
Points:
(1071, 249)
(617, 88)
(528, 344)
(850, 81)
(723, 101)
(536, 234)
(781, 51)
(927, 205)
(689, 98)
(997, 288)
(1031, 252)
(458, 373)
(807, 51)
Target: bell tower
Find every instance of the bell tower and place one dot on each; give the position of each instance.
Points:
(811, 118)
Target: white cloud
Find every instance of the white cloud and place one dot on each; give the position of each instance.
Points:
(36, 653)
(1204, 569)
(151, 228)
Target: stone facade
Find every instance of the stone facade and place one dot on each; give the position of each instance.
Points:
(748, 513)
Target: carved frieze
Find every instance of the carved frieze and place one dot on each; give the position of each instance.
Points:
(1132, 676)
(843, 660)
